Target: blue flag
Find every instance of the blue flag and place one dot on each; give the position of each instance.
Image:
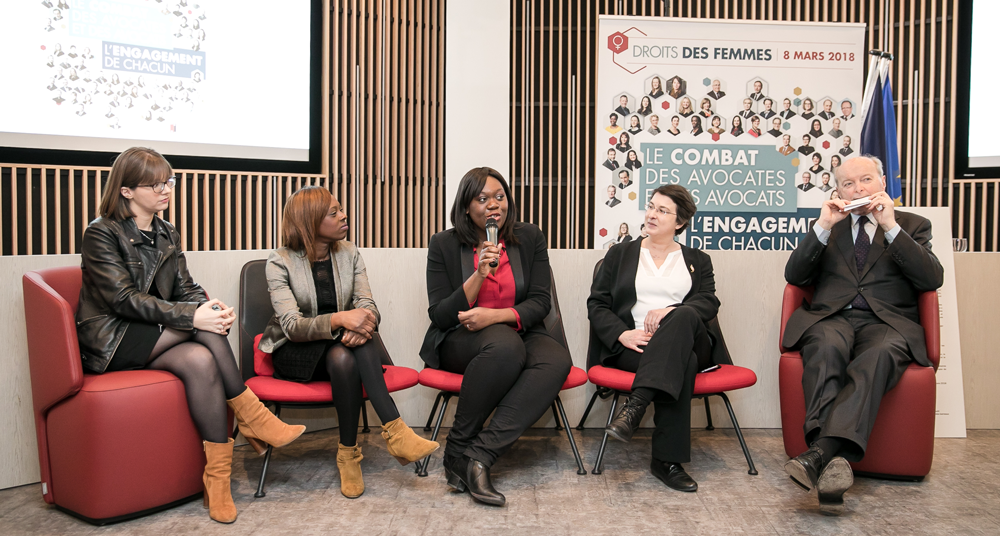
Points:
(878, 137)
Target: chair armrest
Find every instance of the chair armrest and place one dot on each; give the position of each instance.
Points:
(53, 349)
(930, 319)
(790, 301)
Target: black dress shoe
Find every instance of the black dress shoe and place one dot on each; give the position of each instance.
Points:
(627, 420)
(805, 468)
(673, 475)
(465, 473)
(836, 478)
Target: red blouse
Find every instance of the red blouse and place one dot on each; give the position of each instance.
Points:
(498, 290)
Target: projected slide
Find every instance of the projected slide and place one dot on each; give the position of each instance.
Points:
(218, 78)
(984, 144)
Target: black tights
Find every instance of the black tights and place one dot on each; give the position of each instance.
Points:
(205, 365)
(354, 371)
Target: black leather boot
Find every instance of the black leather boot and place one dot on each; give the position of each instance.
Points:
(627, 420)
(465, 473)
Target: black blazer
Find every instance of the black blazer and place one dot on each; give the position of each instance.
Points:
(449, 265)
(612, 297)
(891, 281)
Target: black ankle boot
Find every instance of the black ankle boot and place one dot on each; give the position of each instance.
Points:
(475, 476)
(453, 469)
(627, 420)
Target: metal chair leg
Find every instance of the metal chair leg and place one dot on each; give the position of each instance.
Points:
(555, 415)
(267, 460)
(598, 466)
(581, 470)
(364, 417)
(587, 412)
(430, 418)
(422, 467)
(739, 434)
(708, 413)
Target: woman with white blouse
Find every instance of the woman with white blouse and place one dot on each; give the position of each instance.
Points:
(649, 310)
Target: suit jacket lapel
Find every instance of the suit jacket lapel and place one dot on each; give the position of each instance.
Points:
(877, 248)
(842, 234)
(692, 269)
(338, 283)
(302, 277)
(514, 258)
(465, 261)
(626, 278)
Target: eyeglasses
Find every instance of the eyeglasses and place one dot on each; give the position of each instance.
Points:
(661, 211)
(159, 186)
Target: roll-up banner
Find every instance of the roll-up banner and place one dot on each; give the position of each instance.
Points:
(751, 117)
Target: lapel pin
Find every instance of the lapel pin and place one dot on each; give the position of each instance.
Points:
(692, 268)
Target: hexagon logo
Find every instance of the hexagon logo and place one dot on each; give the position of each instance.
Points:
(826, 145)
(632, 196)
(617, 42)
(603, 232)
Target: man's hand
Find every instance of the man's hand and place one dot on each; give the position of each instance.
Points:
(886, 217)
(831, 213)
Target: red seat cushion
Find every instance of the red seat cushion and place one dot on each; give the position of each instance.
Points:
(577, 377)
(452, 382)
(275, 390)
(726, 378)
(441, 380)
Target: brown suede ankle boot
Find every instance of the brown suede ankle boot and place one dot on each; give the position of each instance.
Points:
(259, 426)
(352, 484)
(219, 466)
(403, 444)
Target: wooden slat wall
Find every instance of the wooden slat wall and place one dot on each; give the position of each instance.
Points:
(552, 41)
(383, 126)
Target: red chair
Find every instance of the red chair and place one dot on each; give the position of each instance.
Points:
(111, 446)
(615, 382)
(449, 384)
(258, 370)
(905, 417)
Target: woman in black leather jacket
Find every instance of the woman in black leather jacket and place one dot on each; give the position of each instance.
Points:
(140, 308)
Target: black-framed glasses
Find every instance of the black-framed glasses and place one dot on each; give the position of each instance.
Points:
(159, 186)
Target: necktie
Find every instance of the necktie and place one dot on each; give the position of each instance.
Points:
(862, 245)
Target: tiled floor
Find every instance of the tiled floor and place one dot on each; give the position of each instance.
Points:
(545, 495)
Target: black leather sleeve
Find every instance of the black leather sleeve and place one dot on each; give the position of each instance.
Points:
(108, 271)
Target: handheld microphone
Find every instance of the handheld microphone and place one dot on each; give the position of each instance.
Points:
(492, 235)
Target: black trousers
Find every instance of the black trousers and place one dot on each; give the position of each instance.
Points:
(517, 375)
(850, 360)
(669, 362)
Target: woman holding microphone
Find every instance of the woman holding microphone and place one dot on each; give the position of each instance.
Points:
(488, 301)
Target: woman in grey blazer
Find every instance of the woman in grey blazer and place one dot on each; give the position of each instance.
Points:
(324, 313)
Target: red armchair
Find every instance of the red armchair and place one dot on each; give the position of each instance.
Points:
(905, 417)
(112, 446)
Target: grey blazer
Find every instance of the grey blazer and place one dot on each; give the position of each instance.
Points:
(293, 295)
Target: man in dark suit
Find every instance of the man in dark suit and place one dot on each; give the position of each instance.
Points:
(767, 112)
(716, 92)
(862, 329)
(827, 112)
(758, 93)
(787, 112)
(622, 106)
(806, 182)
(846, 150)
(747, 113)
(611, 163)
(847, 110)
